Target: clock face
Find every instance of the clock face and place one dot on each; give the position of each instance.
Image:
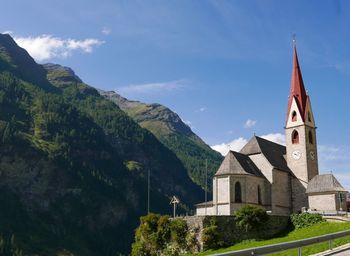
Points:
(296, 154)
(312, 155)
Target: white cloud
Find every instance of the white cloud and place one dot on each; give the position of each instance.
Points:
(275, 137)
(335, 159)
(46, 47)
(106, 31)
(332, 153)
(10, 32)
(237, 144)
(153, 87)
(249, 123)
(201, 109)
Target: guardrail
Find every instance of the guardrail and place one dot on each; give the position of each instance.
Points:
(288, 245)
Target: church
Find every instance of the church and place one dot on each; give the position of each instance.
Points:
(280, 179)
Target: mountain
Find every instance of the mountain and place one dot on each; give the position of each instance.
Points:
(73, 165)
(168, 127)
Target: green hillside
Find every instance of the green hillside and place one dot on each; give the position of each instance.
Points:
(168, 127)
(73, 166)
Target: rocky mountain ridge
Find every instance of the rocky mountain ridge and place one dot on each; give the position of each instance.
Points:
(169, 128)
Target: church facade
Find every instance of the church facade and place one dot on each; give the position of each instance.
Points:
(280, 179)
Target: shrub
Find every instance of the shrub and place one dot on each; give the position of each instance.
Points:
(305, 219)
(210, 237)
(250, 218)
(160, 235)
(152, 235)
(178, 232)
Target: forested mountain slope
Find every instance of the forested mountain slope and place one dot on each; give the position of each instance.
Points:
(168, 127)
(73, 166)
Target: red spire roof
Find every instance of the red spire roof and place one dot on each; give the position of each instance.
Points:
(297, 89)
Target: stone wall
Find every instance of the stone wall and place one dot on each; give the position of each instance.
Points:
(326, 202)
(299, 196)
(229, 233)
(195, 223)
(281, 193)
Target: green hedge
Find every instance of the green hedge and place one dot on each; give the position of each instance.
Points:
(305, 219)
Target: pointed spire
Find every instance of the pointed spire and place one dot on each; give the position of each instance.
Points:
(297, 89)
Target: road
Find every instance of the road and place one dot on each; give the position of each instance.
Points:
(343, 250)
(342, 253)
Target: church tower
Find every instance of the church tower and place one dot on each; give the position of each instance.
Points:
(301, 153)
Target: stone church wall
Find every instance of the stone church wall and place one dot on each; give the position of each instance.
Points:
(223, 209)
(299, 197)
(252, 184)
(223, 188)
(249, 186)
(322, 202)
(326, 202)
(281, 193)
(201, 211)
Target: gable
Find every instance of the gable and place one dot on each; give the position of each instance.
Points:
(273, 152)
(299, 118)
(236, 163)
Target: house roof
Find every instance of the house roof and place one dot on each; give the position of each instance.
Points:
(324, 183)
(237, 163)
(273, 152)
(297, 89)
(209, 203)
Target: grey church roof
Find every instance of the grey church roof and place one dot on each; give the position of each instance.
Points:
(237, 163)
(273, 152)
(209, 203)
(324, 183)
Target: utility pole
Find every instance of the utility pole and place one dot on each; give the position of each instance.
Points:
(148, 190)
(206, 185)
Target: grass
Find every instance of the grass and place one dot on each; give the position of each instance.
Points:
(297, 234)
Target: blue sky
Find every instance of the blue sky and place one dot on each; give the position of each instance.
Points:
(223, 66)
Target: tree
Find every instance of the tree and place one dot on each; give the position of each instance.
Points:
(250, 218)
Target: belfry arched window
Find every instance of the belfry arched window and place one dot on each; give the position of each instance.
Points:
(311, 139)
(238, 193)
(259, 195)
(294, 116)
(295, 137)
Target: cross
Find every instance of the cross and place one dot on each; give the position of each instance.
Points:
(174, 201)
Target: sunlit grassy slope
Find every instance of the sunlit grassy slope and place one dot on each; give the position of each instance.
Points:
(315, 230)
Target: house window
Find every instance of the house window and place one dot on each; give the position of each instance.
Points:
(259, 195)
(311, 140)
(309, 116)
(238, 193)
(294, 116)
(295, 137)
